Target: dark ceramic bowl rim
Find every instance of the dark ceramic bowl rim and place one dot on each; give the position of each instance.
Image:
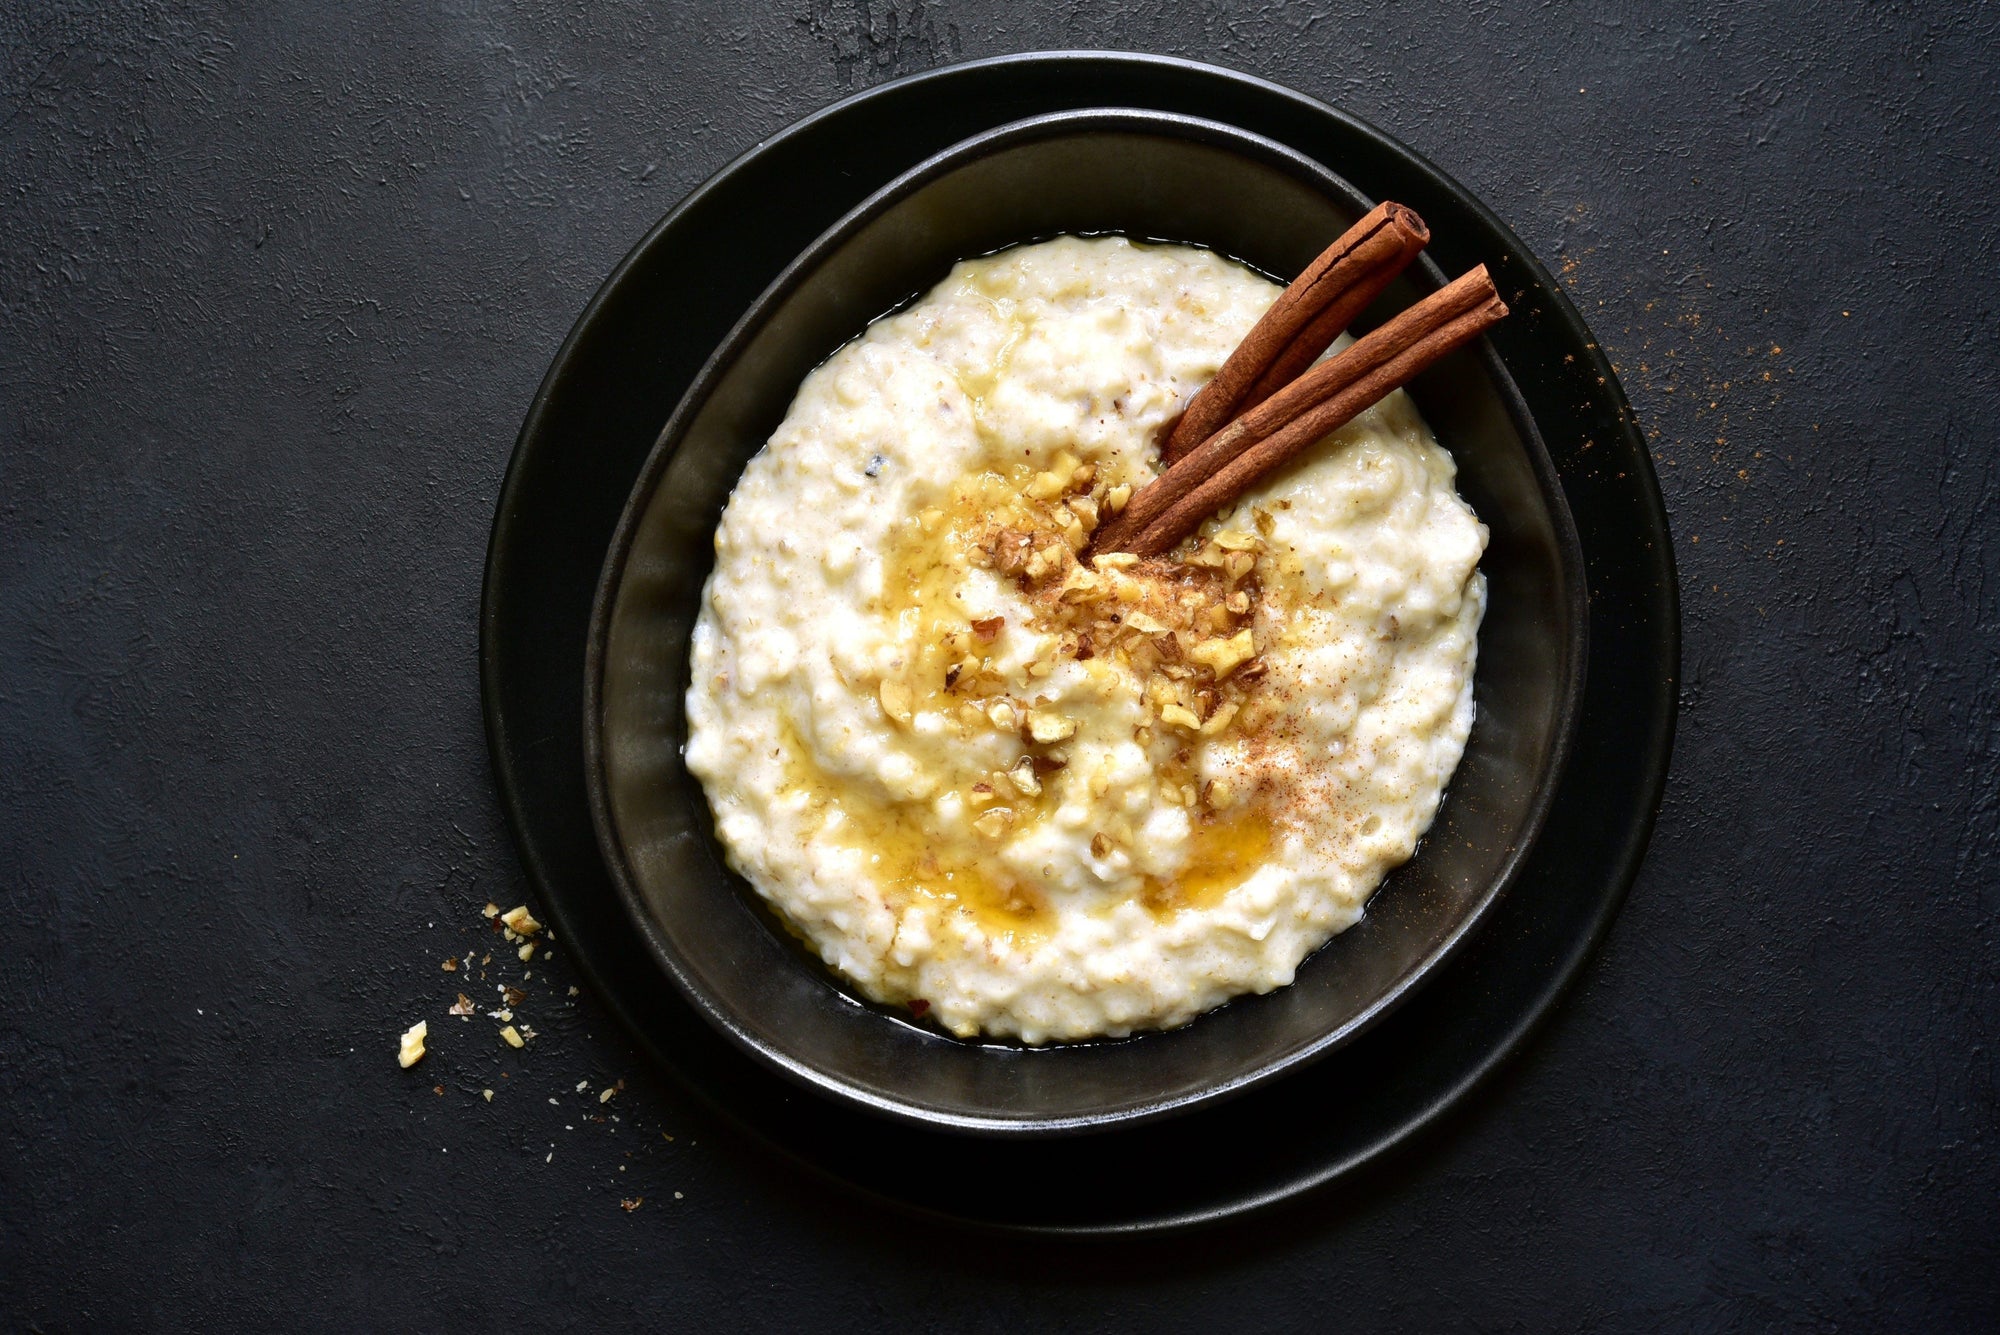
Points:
(665, 448)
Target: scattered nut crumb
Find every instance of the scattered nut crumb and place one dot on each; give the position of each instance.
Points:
(527, 952)
(518, 919)
(463, 1006)
(513, 1038)
(490, 911)
(449, 966)
(411, 1050)
(488, 1093)
(605, 1097)
(632, 1203)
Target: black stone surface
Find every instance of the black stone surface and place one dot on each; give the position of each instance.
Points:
(277, 287)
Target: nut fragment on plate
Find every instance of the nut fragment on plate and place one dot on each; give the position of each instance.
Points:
(1052, 793)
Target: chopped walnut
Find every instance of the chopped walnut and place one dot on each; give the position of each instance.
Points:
(1024, 779)
(1011, 549)
(512, 1037)
(1223, 657)
(519, 920)
(411, 1049)
(1046, 727)
(995, 822)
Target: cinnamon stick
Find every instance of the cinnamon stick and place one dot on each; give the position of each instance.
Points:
(1303, 322)
(1233, 460)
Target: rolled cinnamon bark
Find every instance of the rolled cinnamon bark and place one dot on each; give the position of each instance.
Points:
(1226, 465)
(1303, 322)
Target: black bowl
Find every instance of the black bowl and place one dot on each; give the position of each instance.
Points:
(1144, 174)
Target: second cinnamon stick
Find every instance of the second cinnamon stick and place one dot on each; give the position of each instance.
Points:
(1303, 322)
(1226, 465)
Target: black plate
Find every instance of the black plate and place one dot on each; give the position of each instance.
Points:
(616, 381)
(1142, 173)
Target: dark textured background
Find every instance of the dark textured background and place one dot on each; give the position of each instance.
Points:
(277, 290)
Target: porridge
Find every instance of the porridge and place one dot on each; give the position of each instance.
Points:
(1036, 791)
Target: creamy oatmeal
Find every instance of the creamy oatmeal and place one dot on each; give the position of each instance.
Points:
(1033, 793)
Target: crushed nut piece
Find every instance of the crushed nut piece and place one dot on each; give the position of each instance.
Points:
(1180, 716)
(896, 699)
(488, 1093)
(988, 627)
(1100, 847)
(995, 822)
(463, 1006)
(490, 911)
(1223, 657)
(1119, 497)
(1046, 486)
(411, 1050)
(631, 1203)
(1026, 782)
(1010, 551)
(605, 1097)
(1236, 540)
(512, 1037)
(1046, 727)
(526, 952)
(518, 919)
(449, 966)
